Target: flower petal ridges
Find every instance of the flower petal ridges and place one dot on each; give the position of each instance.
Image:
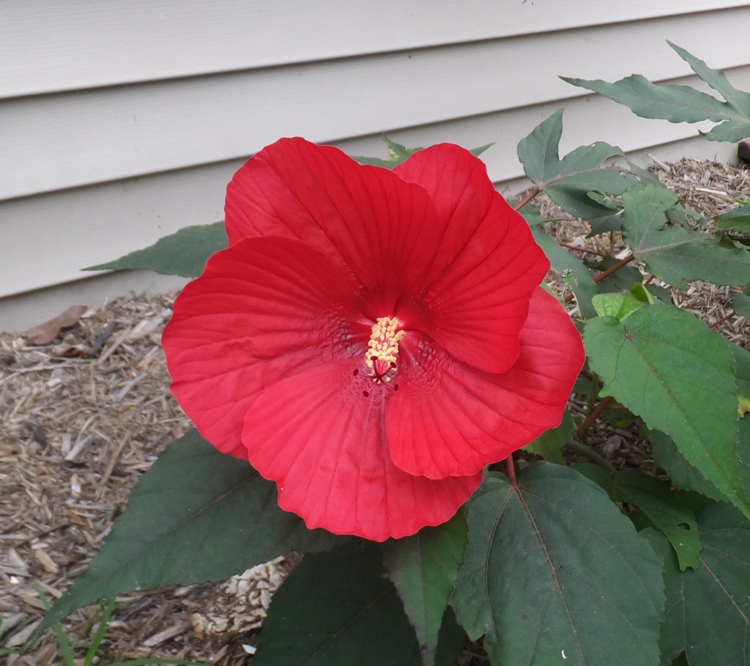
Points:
(371, 339)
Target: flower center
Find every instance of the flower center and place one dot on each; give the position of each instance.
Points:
(382, 349)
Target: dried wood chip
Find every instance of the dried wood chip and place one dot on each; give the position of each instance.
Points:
(45, 333)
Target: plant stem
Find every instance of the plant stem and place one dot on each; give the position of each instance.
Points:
(583, 428)
(592, 455)
(511, 470)
(582, 249)
(719, 322)
(616, 267)
(529, 196)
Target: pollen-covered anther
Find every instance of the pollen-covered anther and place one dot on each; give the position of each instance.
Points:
(382, 349)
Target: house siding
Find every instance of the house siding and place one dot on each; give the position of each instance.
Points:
(121, 122)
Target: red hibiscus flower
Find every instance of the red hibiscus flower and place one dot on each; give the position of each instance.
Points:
(371, 339)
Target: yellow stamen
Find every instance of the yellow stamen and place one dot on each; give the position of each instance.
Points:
(382, 349)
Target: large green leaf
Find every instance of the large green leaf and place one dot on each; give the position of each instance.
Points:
(183, 253)
(197, 515)
(663, 509)
(574, 273)
(666, 366)
(681, 472)
(682, 104)
(708, 609)
(675, 254)
(423, 568)
(568, 181)
(554, 574)
(339, 608)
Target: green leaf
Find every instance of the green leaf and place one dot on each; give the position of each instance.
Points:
(675, 254)
(423, 568)
(669, 368)
(554, 574)
(662, 507)
(708, 610)
(183, 253)
(574, 273)
(741, 305)
(340, 608)
(568, 181)
(197, 515)
(739, 219)
(681, 472)
(549, 444)
(681, 104)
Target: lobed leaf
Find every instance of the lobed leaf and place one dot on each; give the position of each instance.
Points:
(197, 515)
(681, 104)
(662, 508)
(183, 253)
(554, 574)
(675, 254)
(708, 609)
(666, 366)
(340, 608)
(423, 569)
(569, 181)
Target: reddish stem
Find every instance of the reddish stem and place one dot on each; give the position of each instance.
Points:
(511, 470)
(583, 428)
(719, 322)
(529, 196)
(616, 267)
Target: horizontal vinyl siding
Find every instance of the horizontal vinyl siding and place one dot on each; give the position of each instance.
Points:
(93, 173)
(74, 139)
(99, 43)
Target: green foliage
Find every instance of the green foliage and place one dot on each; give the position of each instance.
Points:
(569, 181)
(549, 569)
(183, 253)
(682, 104)
(653, 372)
(708, 608)
(197, 515)
(340, 608)
(549, 444)
(554, 573)
(423, 569)
(674, 254)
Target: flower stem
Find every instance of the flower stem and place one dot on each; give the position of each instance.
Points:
(584, 427)
(511, 470)
(529, 196)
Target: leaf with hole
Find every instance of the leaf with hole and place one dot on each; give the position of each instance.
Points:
(554, 574)
(663, 509)
(708, 609)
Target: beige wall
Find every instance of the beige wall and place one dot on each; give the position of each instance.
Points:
(122, 121)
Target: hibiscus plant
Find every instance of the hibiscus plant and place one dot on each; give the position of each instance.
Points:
(378, 381)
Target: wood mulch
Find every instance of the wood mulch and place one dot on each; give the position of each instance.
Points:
(83, 417)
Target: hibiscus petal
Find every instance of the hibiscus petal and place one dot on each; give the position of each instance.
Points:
(385, 230)
(322, 441)
(488, 263)
(446, 419)
(263, 309)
